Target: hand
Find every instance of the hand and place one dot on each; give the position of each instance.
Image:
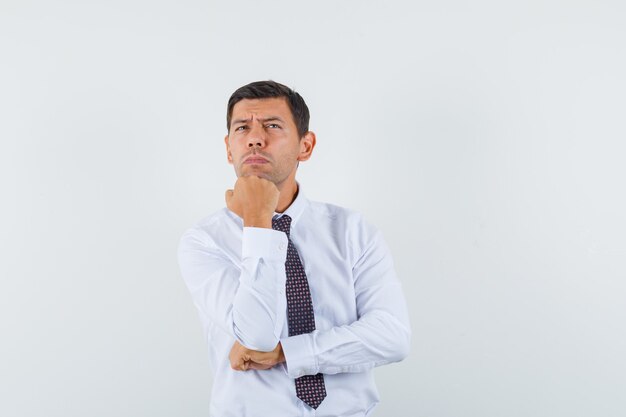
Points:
(243, 359)
(254, 199)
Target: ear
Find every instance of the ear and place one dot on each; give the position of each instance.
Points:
(307, 143)
(228, 154)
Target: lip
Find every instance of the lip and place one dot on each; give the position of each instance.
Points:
(255, 160)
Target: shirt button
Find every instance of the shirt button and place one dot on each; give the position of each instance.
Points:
(281, 246)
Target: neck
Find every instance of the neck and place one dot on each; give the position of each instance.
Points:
(288, 192)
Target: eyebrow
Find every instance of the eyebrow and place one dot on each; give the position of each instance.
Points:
(263, 120)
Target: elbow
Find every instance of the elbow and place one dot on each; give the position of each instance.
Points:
(259, 342)
(401, 346)
(397, 334)
(404, 346)
(262, 345)
(253, 333)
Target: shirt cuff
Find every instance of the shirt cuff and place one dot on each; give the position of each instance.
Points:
(260, 242)
(299, 355)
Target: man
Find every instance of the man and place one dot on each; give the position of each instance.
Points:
(299, 300)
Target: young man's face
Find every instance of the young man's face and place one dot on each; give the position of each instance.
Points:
(263, 140)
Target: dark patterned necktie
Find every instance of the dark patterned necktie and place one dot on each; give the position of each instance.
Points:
(300, 318)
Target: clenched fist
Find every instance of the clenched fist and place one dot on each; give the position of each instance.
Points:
(243, 359)
(254, 199)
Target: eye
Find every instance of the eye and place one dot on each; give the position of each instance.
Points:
(273, 126)
(240, 128)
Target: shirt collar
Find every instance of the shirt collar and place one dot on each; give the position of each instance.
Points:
(296, 208)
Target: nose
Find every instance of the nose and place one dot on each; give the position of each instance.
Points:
(256, 136)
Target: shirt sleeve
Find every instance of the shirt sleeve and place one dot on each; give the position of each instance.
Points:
(380, 335)
(246, 300)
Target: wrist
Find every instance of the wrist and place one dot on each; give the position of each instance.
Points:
(258, 221)
(280, 354)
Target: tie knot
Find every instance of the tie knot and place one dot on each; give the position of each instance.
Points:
(282, 224)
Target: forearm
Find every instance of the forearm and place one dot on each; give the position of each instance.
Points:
(375, 339)
(259, 304)
(246, 301)
(379, 334)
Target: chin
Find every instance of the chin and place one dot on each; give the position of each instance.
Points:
(255, 170)
(260, 174)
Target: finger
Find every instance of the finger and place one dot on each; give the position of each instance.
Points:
(258, 366)
(258, 356)
(235, 363)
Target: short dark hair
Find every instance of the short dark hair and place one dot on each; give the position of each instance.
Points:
(271, 89)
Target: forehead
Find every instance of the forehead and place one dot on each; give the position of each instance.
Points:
(264, 107)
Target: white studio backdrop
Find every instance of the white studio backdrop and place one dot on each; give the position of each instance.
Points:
(485, 139)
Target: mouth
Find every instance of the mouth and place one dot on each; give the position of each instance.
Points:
(255, 160)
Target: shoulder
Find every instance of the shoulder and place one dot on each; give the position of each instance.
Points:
(329, 210)
(335, 213)
(347, 222)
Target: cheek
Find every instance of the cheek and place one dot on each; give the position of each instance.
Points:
(235, 152)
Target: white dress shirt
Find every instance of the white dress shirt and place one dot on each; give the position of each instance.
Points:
(236, 276)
